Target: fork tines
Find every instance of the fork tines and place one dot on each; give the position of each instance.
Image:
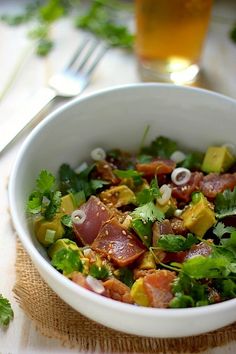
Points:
(87, 56)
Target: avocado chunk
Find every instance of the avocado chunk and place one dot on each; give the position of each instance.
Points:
(48, 231)
(143, 230)
(60, 244)
(67, 204)
(118, 196)
(147, 261)
(199, 215)
(138, 293)
(217, 159)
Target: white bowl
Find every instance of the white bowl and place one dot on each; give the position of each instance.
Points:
(112, 118)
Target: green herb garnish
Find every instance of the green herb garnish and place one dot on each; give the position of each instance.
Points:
(220, 229)
(137, 176)
(193, 161)
(66, 220)
(149, 194)
(200, 267)
(67, 261)
(225, 204)
(72, 182)
(188, 292)
(125, 275)
(100, 17)
(100, 20)
(45, 199)
(6, 312)
(176, 243)
(161, 147)
(99, 272)
(148, 212)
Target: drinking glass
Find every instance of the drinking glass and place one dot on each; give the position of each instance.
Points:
(169, 38)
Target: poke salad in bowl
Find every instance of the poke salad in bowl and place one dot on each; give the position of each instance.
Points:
(126, 203)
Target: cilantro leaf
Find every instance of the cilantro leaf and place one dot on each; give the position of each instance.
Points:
(126, 276)
(225, 204)
(6, 312)
(176, 243)
(45, 181)
(99, 272)
(161, 147)
(44, 46)
(44, 199)
(200, 267)
(71, 182)
(78, 198)
(53, 206)
(181, 301)
(193, 161)
(98, 184)
(149, 194)
(66, 220)
(67, 260)
(99, 20)
(34, 202)
(51, 11)
(188, 292)
(135, 175)
(148, 212)
(226, 287)
(220, 229)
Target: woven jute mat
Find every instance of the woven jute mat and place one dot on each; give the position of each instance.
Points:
(55, 319)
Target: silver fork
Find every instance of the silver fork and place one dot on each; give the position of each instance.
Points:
(68, 83)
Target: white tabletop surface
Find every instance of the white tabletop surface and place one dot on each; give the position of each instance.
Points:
(117, 67)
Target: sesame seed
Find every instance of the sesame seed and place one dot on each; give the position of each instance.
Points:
(124, 232)
(106, 232)
(103, 208)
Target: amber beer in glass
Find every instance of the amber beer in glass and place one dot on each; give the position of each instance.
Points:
(169, 38)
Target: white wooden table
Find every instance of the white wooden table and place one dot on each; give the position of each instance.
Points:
(117, 67)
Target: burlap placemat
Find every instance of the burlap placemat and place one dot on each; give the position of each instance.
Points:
(55, 319)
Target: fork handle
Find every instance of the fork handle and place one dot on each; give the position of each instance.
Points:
(29, 115)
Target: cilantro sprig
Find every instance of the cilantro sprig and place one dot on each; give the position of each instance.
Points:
(225, 204)
(148, 212)
(220, 229)
(161, 147)
(135, 175)
(100, 17)
(126, 276)
(176, 243)
(81, 185)
(149, 194)
(67, 261)
(45, 199)
(99, 272)
(188, 292)
(6, 312)
(99, 20)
